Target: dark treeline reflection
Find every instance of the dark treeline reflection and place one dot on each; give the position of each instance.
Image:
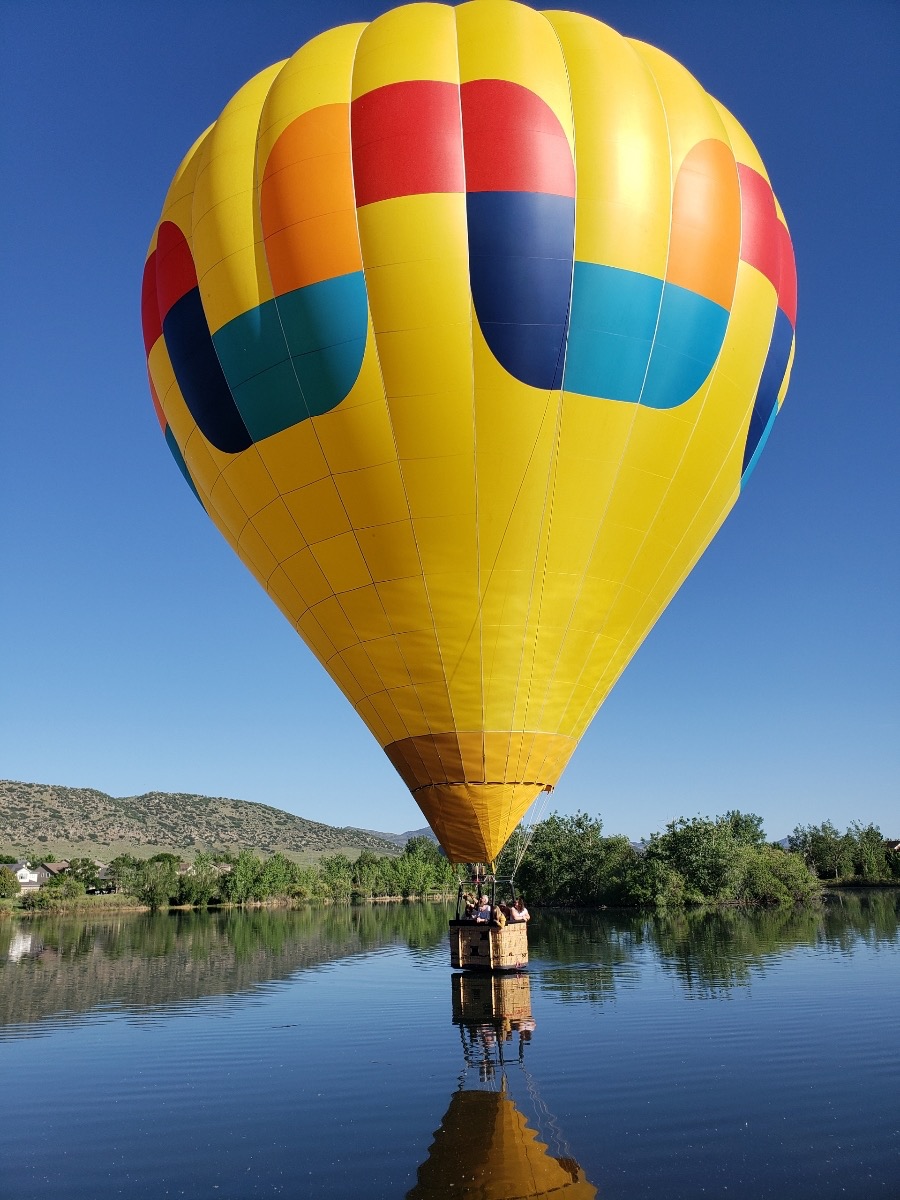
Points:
(587, 954)
(68, 965)
(54, 965)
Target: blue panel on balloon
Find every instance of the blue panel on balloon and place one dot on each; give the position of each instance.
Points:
(765, 406)
(200, 377)
(522, 302)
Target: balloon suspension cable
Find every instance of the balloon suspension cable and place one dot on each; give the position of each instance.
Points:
(525, 830)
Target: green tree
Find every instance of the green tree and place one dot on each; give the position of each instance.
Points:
(337, 876)
(85, 870)
(157, 881)
(242, 882)
(366, 874)
(746, 828)
(570, 862)
(277, 877)
(868, 852)
(123, 873)
(824, 848)
(201, 883)
(9, 885)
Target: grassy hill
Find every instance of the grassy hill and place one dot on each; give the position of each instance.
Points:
(46, 820)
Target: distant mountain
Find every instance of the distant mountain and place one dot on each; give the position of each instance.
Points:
(73, 821)
(400, 839)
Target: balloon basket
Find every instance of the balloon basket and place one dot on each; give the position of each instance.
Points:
(475, 947)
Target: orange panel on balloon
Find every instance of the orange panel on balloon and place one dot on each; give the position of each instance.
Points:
(706, 223)
(307, 206)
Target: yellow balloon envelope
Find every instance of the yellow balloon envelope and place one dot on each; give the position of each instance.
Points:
(466, 326)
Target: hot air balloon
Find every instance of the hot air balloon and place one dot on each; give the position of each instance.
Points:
(466, 327)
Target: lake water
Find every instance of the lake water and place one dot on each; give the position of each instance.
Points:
(332, 1053)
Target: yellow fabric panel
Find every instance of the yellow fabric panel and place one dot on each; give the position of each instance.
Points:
(306, 576)
(690, 113)
(384, 707)
(279, 529)
(255, 553)
(416, 41)
(384, 655)
(364, 610)
(390, 550)
(315, 637)
(373, 721)
(225, 508)
(285, 595)
(226, 236)
(171, 401)
(180, 196)
(744, 150)
(341, 562)
(248, 478)
(318, 510)
(782, 391)
(408, 704)
(319, 73)
(203, 468)
(355, 437)
(422, 656)
(294, 457)
(418, 293)
(334, 623)
(623, 194)
(499, 40)
(358, 660)
(406, 602)
(345, 679)
(373, 495)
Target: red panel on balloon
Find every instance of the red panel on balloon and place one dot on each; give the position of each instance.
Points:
(175, 271)
(764, 243)
(407, 141)
(513, 141)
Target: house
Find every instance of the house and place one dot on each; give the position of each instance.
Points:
(30, 878)
(55, 868)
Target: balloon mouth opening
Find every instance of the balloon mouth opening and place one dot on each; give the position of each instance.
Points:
(474, 787)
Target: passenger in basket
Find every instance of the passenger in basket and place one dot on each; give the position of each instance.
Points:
(483, 911)
(498, 917)
(469, 910)
(519, 912)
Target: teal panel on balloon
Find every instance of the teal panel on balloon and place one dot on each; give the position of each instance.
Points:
(296, 356)
(610, 331)
(619, 317)
(688, 340)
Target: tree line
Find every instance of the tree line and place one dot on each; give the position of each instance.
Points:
(694, 861)
(245, 878)
(697, 861)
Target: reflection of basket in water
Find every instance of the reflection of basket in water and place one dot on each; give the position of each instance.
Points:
(491, 997)
(488, 947)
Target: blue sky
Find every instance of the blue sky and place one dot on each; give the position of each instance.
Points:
(139, 654)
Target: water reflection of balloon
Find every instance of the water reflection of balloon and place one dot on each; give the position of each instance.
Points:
(466, 326)
(485, 1147)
